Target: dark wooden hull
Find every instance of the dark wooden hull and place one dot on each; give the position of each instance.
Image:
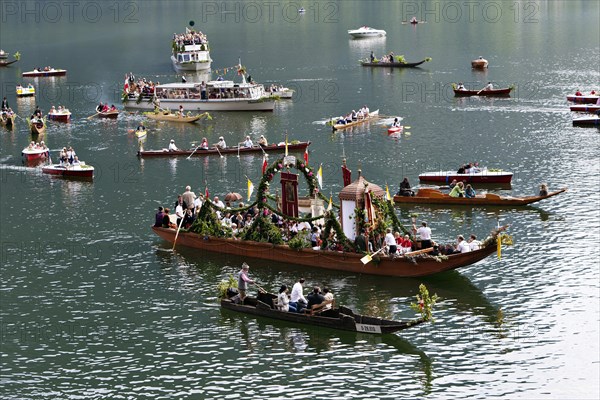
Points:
(430, 196)
(4, 63)
(72, 172)
(493, 92)
(589, 99)
(591, 121)
(60, 117)
(342, 318)
(109, 114)
(228, 150)
(37, 128)
(589, 109)
(59, 72)
(8, 122)
(339, 261)
(392, 65)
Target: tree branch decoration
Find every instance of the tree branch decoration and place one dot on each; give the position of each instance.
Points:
(424, 303)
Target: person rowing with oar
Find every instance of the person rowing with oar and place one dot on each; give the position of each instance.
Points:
(396, 123)
(243, 281)
(221, 143)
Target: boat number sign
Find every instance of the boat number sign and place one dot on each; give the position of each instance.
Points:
(368, 328)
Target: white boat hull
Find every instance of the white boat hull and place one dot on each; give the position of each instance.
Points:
(190, 66)
(205, 105)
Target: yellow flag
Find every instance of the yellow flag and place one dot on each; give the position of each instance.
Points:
(499, 246)
(250, 189)
(286, 145)
(320, 176)
(387, 193)
(330, 206)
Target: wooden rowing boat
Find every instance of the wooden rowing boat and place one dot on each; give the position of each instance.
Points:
(7, 121)
(492, 92)
(588, 109)
(173, 117)
(37, 128)
(484, 176)
(371, 116)
(393, 64)
(5, 63)
(50, 72)
(341, 318)
(109, 114)
(227, 150)
(350, 263)
(434, 196)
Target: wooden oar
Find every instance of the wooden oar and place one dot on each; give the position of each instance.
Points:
(219, 151)
(197, 147)
(177, 233)
(91, 116)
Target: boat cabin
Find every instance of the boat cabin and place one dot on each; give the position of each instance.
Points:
(212, 90)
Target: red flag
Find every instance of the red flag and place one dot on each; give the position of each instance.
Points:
(264, 165)
(126, 85)
(306, 155)
(346, 175)
(206, 195)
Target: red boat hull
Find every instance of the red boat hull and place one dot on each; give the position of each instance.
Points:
(589, 99)
(588, 109)
(60, 117)
(68, 172)
(35, 156)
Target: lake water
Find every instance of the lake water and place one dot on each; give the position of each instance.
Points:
(92, 306)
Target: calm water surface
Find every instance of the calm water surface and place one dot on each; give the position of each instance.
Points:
(92, 306)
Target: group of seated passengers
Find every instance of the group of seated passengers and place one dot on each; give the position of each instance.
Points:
(362, 113)
(190, 38)
(105, 108)
(67, 156)
(386, 58)
(58, 110)
(45, 69)
(578, 93)
(296, 302)
(461, 246)
(470, 168)
(458, 189)
(37, 146)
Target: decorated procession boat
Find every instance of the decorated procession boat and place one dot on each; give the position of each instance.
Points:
(7, 121)
(588, 109)
(342, 318)
(433, 196)
(228, 150)
(33, 155)
(161, 116)
(60, 116)
(492, 92)
(393, 64)
(45, 72)
(372, 115)
(484, 176)
(81, 170)
(333, 260)
(587, 121)
(585, 99)
(216, 96)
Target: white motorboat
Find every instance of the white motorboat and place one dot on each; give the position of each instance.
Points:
(190, 52)
(366, 32)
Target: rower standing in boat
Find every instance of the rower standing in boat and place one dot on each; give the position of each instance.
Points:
(372, 56)
(181, 112)
(243, 281)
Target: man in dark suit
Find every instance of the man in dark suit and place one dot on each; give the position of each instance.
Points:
(361, 242)
(315, 297)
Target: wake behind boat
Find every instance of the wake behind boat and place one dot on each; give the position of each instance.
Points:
(197, 152)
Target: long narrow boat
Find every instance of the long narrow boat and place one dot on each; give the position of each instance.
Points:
(7, 121)
(589, 109)
(5, 63)
(493, 92)
(109, 114)
(37, 128)
(434, 196)
(587, 121)
(49, 72)
(372, 115)
(421, 265)
(337, 318)
(174, 117)
(392, 64)
(227, 150)
(586, 99)
(70, 171)
(485, 176)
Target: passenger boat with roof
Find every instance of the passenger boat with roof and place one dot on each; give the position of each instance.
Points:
(366, 32)
(214, 96)
(190, 51)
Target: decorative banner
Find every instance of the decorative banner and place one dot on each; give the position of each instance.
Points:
(387, 193)
(320, 176)
(346, 175)
(264, 164)
(206, 196)
(250, 189)
(330, 206)
(289, 194)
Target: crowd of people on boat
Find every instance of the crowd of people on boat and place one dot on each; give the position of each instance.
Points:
(104, 108)
(387, 58)
(190, 37)
(67, 157)
(354, 116)
(134, 88)
(45, 69)
(5, 111)
(37, 146)
(59, 110)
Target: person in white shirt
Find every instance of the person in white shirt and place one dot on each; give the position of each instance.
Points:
(221, 144)
(283, 301)
(460, 86)
(463, 246)
(172, 146)
(474, 244)
(198, 201)
(218, 202)
(247, 142)
(390, 242)
(179, 214)
(424, 233)
(489, 86)
(297, 298)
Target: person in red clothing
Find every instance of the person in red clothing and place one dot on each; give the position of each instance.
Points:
(578, 93)
(406, 244)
